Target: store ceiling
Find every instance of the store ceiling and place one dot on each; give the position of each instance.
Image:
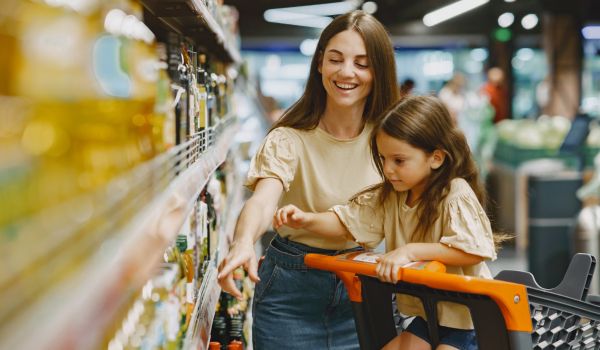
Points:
(403, 18)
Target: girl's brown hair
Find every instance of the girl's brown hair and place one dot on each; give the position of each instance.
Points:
(307, 111)
(425, 123)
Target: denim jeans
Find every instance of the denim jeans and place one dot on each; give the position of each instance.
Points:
(295, 307)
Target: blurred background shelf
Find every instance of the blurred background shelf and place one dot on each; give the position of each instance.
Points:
(67, 289)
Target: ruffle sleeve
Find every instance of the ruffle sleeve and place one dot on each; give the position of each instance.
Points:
(468, 227)
(276, 158)
(363, 217)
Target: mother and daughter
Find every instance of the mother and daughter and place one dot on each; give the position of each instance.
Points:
(428, 207)
(345, 134)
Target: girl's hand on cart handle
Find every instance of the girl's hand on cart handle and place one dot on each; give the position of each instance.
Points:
(390, 263)
(291, 216)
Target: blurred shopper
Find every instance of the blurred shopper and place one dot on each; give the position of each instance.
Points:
(495, 89)
(407, 87)
(473, 114)
(542, 95)
(316, 156)
(453, 96)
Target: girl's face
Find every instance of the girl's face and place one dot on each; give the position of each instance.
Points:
(345, 70)
(406, 167)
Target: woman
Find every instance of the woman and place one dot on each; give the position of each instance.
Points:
(316, 156)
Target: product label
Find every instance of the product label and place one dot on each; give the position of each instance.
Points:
(367, 257)
(189, 293)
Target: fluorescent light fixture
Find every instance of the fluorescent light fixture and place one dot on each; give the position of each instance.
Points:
(328, 9)
(310, 15)
(529, 21)
(591, 32)
(506, 19)
(298, 19)
(509, 0)
(450, 11)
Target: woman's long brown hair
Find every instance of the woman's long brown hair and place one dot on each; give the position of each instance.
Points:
(307, 111)
(425, 123)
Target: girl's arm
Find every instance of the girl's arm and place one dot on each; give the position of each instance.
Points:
(253, 221)
(389, 263)
(325, 224)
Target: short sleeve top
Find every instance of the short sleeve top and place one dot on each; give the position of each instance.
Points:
(317, 171)
(462, 224)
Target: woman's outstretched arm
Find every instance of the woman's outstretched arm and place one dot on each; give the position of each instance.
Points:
(253, 221)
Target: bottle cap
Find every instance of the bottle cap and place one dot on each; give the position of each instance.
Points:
(181, 243)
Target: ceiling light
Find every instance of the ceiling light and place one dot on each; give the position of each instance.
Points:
(479, 54)
(369, 7)
(591, 32)
(298, 19)
(529, 21)
(308, 47)
(328, 9)
(509, 0)
(506, 19)
(450, 11)
(310, 15)
(525, 54)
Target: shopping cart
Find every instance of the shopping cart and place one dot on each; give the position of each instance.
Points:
(510, 312)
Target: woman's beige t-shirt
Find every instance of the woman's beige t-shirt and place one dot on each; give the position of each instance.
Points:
(463, 224)
(317, 171)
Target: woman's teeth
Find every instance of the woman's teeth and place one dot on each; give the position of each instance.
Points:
(346, 86)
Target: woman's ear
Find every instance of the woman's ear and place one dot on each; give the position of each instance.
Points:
(437, 159)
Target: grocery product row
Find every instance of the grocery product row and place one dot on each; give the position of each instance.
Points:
(118, 171)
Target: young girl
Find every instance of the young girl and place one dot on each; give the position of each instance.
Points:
(429, 207)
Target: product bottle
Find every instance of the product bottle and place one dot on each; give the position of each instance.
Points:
(235, 345)
(214, 345)
(202, 77)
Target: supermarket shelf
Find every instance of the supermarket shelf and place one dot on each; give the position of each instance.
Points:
(198, 334)
(146, 208)
(193, 19)
(235, 204)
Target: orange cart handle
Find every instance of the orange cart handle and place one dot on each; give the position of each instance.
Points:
(510, 297)
(363, 263)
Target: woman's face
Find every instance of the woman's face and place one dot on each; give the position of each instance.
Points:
(346, 71)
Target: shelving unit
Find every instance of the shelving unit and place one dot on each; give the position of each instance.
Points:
(72, 270)
(193, 19)
(74, 313)
(198, 335)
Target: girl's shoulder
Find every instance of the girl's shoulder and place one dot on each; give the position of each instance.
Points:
(460, 188)
(373, 196)
(368, 196)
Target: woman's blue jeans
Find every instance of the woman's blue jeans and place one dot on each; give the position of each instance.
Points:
(296, 307)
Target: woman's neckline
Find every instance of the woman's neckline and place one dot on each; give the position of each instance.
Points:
(332, 137)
